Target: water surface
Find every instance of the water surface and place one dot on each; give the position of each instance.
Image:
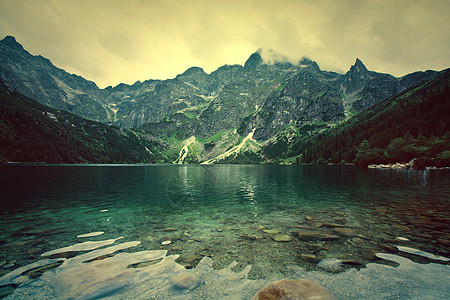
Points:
(215, 215)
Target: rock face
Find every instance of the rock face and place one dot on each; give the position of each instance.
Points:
(293, 289)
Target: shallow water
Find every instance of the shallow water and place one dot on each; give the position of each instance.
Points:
(215, 215)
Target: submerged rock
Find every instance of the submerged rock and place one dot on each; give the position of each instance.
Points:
(316, 235)
(185, 280)
(192, 258)
(368, 253)
(310, 257)
(347, 232)
(293, 289)
(271, 231)
(282, 238)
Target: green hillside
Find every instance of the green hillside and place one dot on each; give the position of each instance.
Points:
(415, 124)
(32, 132)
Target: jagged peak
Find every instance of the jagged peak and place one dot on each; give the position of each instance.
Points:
(359, 66)
(254, 60)
(10, 41)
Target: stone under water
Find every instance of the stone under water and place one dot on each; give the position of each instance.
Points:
(294, 289)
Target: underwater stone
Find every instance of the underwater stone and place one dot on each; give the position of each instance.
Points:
(310, 258)
(282, 238)
(192, 258)
(185, 280)
(347, 232)
(271, 231)
(293, 289)
(368, 253)
(316, 235)
(166, 243)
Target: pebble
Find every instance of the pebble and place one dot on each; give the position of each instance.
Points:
(166, 243)
(310, 257)
(403, 239)
(282, 238)
(192, 258)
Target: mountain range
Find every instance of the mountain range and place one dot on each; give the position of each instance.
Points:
(260, 112)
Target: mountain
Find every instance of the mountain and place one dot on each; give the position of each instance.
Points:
(36, 77)
(262, 111)
(414, 124)
(32, 132)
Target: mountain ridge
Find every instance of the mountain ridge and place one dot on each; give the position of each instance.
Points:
(271, 97)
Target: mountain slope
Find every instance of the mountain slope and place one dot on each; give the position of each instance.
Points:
(412, 124)
(282, 103)
(32, 132)
(37, 78)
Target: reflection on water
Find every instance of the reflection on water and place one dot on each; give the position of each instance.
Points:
(284, 221)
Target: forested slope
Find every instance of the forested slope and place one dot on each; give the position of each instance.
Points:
(412, 125)
(32, 132)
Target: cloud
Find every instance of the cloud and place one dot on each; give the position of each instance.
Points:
(123, 41)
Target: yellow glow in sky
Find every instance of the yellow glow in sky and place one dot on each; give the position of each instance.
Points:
(112, 42)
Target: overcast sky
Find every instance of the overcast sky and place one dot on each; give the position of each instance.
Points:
(112, 41)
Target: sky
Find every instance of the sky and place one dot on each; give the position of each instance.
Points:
(116, 41)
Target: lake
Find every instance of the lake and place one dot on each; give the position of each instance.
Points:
(125, 231)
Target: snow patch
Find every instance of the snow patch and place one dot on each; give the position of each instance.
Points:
(52, 116)
(184, 151)
(234, 150)
(191, 85)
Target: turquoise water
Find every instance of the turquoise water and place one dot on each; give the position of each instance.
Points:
(236, 227)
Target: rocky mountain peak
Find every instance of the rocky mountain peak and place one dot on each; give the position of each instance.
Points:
(194, 71)
(10, 42)
(254, 60)
(358, 67)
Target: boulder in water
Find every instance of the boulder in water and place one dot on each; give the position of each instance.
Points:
(293, 289)
(185, 280)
